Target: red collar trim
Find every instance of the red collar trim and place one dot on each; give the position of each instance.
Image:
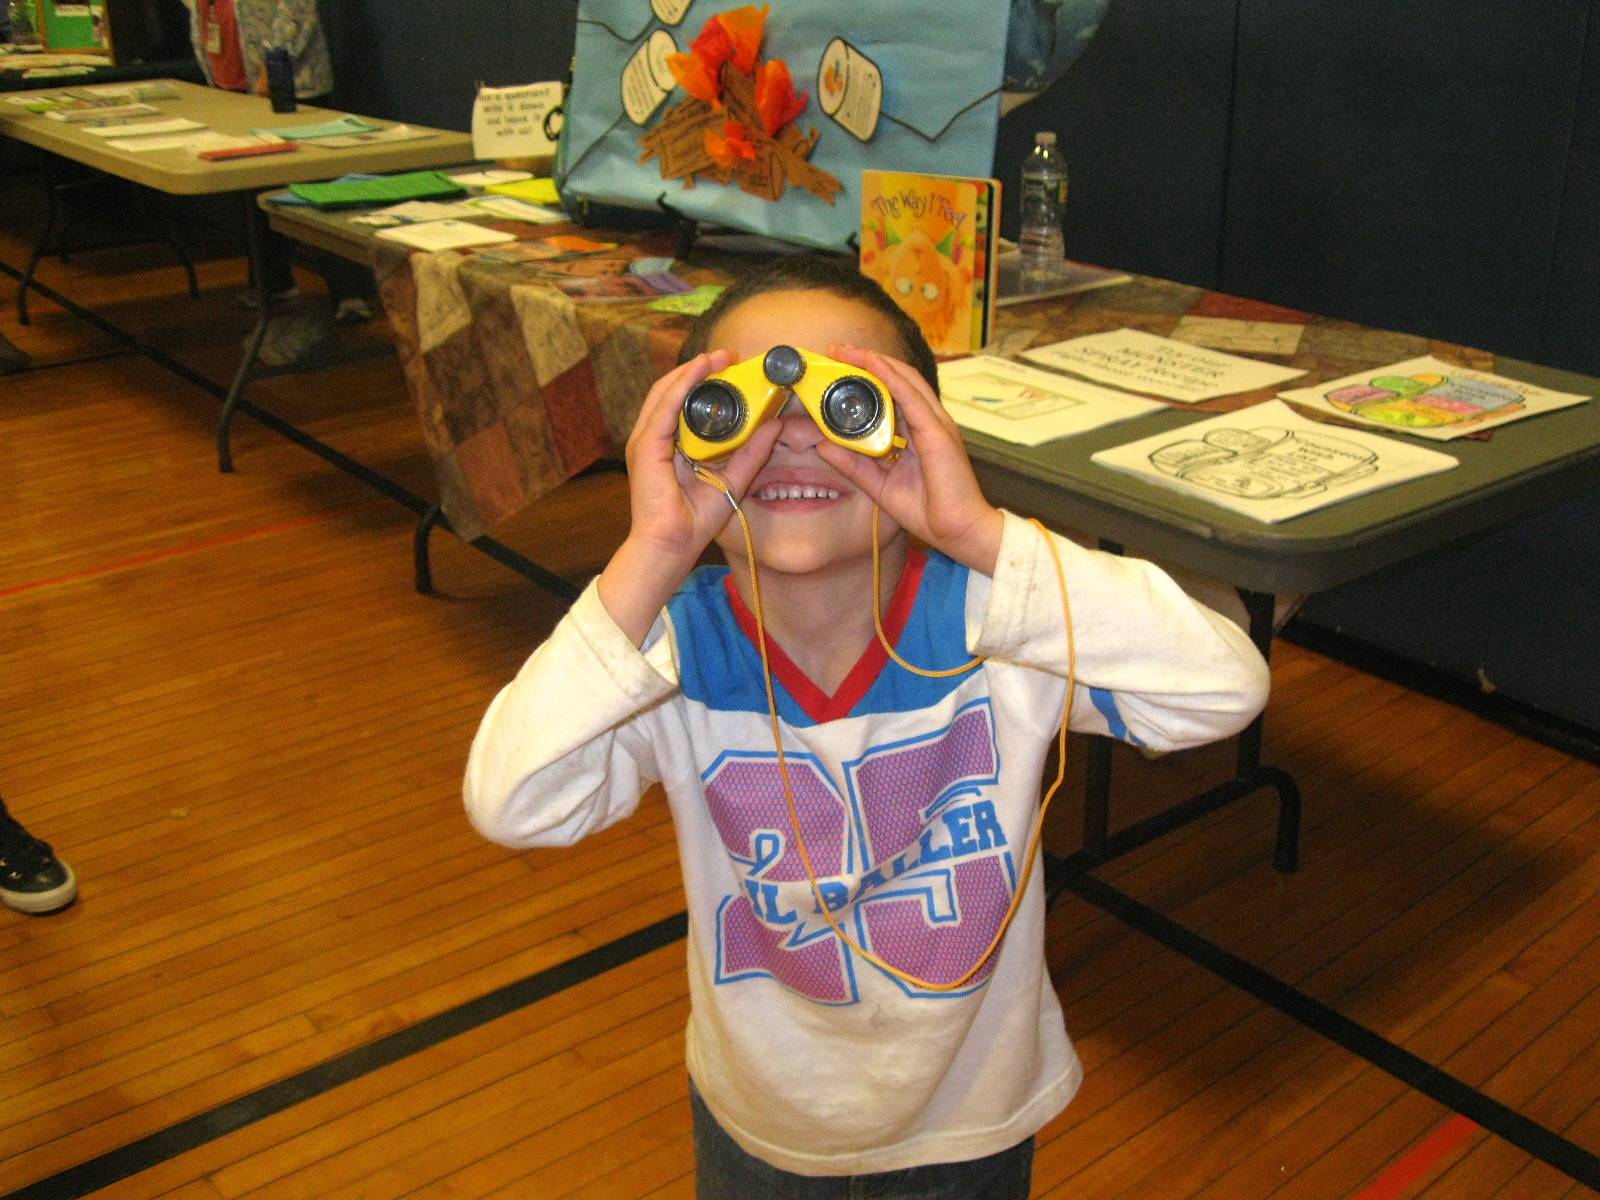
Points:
(813, 701)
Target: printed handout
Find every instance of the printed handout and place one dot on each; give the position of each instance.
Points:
(1026, 405)
(1270, 463)
(1142, 362)
(1431, 398)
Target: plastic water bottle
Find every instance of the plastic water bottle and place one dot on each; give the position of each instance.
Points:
(280, 79)
(1044, 198)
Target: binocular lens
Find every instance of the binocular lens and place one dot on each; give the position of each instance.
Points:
(852, 407)
(784, 366)
(714, 411)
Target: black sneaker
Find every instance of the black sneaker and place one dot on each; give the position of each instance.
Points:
(32, 879)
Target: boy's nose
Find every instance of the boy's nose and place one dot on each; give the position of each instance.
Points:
(798, 431)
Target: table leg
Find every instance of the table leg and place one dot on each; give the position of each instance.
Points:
(52, 217)
(423, 569)
(255, 226)
(1100, 845)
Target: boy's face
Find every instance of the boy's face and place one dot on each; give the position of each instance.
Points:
(803, 516)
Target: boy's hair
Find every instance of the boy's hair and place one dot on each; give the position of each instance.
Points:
(817, 273)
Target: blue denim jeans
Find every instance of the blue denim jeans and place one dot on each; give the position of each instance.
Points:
(723, 1171)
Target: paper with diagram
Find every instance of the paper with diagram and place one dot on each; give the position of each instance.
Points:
(1270, 463)
(1431, 398)
(1028, 406)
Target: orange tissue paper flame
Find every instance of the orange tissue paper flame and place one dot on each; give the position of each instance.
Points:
(732, 144)
(742, 29)
(696, 78)
(775, 96)
(733, 36)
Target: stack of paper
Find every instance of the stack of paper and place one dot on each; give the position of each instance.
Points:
(382, 189)
(132, 129)
(345, 125)
(444, 235)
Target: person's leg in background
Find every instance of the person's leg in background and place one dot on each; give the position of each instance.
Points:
(299, 324)
(32, 879)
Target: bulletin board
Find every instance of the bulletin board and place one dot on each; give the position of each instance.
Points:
(81, 25)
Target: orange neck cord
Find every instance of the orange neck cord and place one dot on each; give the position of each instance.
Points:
(1026, 865)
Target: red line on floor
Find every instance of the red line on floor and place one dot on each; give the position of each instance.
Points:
(1421, 1157)
(139, 560)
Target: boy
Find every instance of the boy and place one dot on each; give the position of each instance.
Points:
(916, 796)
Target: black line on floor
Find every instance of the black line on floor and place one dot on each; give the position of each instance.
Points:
(1544, 1144)
(379, 482)
(158, 1147)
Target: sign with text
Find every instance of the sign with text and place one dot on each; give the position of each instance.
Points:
(516, 122)
(1158, 366)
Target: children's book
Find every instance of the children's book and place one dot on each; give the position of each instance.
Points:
(929, 240)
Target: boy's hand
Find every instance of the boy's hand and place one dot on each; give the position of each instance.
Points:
(929, 489)
(674, 514)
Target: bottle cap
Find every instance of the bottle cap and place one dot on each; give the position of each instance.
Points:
(1045, 138)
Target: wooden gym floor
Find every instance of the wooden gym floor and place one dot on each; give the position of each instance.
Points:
(294, 971)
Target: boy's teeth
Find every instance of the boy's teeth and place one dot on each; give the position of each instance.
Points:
(795, 491)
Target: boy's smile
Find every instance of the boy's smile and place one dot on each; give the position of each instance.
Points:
(794, 491)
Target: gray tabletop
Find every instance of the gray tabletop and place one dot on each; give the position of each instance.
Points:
(179, 172)
(1523, 467)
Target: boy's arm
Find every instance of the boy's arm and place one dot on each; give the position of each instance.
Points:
(562, 750)
(1153, 666)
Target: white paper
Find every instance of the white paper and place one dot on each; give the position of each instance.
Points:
(1158, 366)
(1028, 406)
(1270, 463)
(145, 128)
(646, 80)
(417, 211)
(493, 175)
(202, 140)
(1431, 398)
(444, 235)
(518, 210)
(394, 133)
(510, 122)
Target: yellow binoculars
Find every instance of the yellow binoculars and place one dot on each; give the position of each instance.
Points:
(851, 406)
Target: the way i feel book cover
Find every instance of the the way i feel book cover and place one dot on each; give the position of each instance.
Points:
(927, 240)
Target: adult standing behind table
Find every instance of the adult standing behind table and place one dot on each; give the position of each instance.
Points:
(231, 39)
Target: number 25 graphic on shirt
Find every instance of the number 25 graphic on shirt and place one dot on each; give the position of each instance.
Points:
(910, 858)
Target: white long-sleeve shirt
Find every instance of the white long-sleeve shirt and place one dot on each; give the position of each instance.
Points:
(916, 799)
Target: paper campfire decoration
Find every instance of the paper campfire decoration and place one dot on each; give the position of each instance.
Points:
(738, 125)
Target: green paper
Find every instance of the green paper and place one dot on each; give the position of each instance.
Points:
(690, 303)
(389, 189)
(335, 128)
